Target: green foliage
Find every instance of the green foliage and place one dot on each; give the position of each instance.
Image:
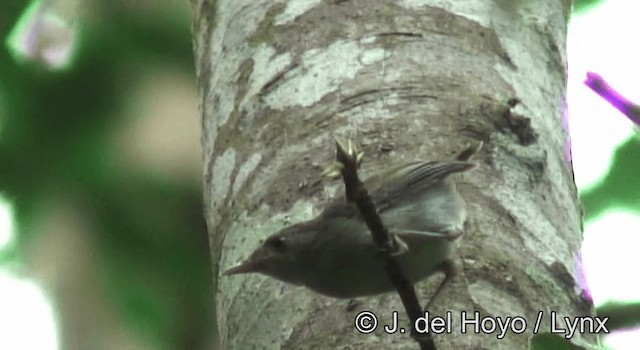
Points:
(548, 341)
(585, 5)
(55, 139)
(622, 315)
(620, 187)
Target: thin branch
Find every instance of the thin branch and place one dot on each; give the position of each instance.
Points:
(358, 194)
(600, 86)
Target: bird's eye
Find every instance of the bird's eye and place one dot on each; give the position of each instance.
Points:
(277, 242)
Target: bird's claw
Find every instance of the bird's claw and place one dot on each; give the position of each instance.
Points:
(333, 170)
(397, 245)
(349, 150)
(453, 235)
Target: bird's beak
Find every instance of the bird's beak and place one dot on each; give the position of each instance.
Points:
(246, 266)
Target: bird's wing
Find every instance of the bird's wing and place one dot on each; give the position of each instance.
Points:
(417, 178)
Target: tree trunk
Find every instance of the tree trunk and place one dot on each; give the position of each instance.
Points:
(406, 80)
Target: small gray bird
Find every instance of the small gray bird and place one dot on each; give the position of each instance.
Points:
(334, 254)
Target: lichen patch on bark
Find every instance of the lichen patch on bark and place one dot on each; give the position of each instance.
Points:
(317, 75)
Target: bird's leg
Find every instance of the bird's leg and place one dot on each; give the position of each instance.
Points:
(448, 268)
(398, 246)
(453, 235)
(450, 235)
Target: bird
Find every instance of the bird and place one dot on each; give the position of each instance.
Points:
(334, 254)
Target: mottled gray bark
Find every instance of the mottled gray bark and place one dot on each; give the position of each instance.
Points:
(407, 80)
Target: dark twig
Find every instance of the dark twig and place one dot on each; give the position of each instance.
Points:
(358, 194)
(600, 86)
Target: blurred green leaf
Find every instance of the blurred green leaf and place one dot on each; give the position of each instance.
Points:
(620, 187)
(585, 5)
(621, 315)
(56, 131)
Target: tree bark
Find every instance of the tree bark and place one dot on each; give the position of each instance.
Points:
(406, 80)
